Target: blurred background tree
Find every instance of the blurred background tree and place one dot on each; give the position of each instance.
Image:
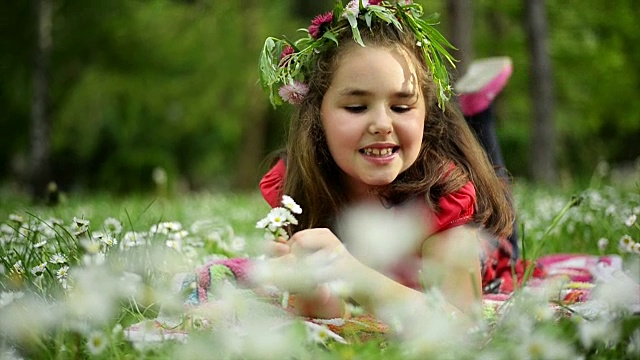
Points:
(138, 85)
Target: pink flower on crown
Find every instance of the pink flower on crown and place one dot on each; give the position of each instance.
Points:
(353, 7)
(316, 24)
(288, 50)
(294, 93)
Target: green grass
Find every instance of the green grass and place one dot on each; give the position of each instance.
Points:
(536, 206)
(602, 212)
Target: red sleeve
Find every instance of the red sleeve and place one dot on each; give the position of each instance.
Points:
(456, 208)
(271, 184)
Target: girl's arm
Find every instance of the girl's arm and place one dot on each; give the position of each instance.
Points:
(451, 262)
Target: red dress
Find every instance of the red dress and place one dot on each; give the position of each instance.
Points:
(456, 209)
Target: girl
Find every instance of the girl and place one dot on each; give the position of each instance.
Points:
(372, 126)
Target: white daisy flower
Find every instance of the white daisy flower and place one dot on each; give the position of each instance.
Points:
(6, 229)
(166, 227)
(24, 231)
(7, 297)
(179, 235)
(593, 332)
(278, 217)
(289, 203)
(238, 244)
(62, 273)
(262, 223)
(630, 220)
(610, 210)
(174, 244)
(80, 223)
(58, 258)
(112, 225)
(38, 270)
(92, 247)
(132, 239)
(96, 342)
(55, 221)
(321, 334)
(40, 244)
(17, 218)
(626, 243)
(18, 268)
(109, 240)
(602, 244)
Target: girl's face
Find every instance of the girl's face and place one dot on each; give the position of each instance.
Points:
(373, 114)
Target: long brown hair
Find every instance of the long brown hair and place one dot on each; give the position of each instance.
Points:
(313, 178)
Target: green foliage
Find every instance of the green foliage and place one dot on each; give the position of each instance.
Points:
(594, 64)
(144, 84)
(138, 85)
(175, 93)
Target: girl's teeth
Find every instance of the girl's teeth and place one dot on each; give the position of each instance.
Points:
(378, 152)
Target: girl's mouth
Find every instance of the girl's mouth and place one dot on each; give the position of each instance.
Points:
(379, 152)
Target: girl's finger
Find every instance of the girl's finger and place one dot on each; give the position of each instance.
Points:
(311, 240)
(281, 240)
(276, 249)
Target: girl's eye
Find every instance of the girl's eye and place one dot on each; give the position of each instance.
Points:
(401, 108)
(355, 109)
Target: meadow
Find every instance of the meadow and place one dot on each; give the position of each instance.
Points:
(76, 276)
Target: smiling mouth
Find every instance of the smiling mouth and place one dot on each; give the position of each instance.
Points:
(380, 152)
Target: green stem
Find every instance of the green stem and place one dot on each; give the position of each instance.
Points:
(575, 201)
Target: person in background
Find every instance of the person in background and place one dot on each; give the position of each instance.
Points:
(477, 90)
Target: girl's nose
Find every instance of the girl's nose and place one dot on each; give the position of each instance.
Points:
(380, 123)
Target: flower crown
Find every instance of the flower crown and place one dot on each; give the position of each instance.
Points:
(285, 63)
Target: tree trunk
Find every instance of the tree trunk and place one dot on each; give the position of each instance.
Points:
(543, 150)
(460, 19)
(253, 145)
(255, 131)
(39, 165)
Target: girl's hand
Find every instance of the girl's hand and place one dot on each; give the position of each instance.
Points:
(307, 260)
(321, 257)
(324, 254)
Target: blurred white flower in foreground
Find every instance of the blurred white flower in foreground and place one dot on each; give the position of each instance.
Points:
(380, 237)
(630, 220)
